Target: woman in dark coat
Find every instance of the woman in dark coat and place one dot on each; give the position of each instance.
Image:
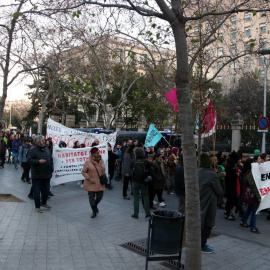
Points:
(126, 169)
(210, 189)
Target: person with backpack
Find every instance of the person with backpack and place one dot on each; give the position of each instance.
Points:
(139, 173)
(23, 159)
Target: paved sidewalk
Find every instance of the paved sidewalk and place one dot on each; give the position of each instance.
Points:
(67, 238)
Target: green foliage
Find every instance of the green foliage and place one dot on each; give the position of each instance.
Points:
(16, 15)
(76, 14)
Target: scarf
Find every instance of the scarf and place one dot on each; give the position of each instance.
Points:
(97, 159)
(162, 167)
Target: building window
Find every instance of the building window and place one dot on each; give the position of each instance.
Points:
(233, 49)
(247, 31)
(233, 65)
(247, 47)
(219, 65)
(233, 78)
(262, 13)
(263, 43)
(207, 54)
(220, 36)
(261, 60)
(197, 30)
(143, 59)
(233, 20)
(220, 52)
(247, 17)
(132, 56)
(219, 79)
(118, 55)
(220, 23)
(247, 61)
(208, 27)
(233, 34)
(263, 28)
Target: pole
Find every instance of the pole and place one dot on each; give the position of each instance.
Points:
(10, 115)
(264, 103)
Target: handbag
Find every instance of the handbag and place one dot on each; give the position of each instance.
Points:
(102, 178)
(247, 195)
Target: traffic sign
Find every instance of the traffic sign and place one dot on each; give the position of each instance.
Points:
(262, 130)
(263, 122)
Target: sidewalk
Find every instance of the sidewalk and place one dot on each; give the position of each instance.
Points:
(67, 238)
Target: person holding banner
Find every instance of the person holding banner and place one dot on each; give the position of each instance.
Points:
(92, 170)
(253, 203)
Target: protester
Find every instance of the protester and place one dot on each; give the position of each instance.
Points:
(252, 206)
(92, 170)
(151, 186)
(118, 162)
(24, 150)
(40, 159)
(111, 163)
(139, 173)
(172, 163)
(16, 144)
(3, 149)
(160, 175)
(209, 191)
(126, 169)
(232, 185)
(221, 168)
(179, 182)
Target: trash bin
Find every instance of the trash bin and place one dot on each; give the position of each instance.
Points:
(167, 232)
(165, 236)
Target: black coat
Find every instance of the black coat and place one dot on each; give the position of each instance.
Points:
(40, 170)
(179, 180)
(3, 148)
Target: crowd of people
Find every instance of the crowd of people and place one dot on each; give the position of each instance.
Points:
(145, 173)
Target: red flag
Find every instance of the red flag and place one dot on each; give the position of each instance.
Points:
(172, 98)
(209, 121)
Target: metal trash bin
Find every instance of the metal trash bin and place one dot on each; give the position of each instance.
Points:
(165, 235)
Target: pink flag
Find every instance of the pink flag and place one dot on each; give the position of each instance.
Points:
(209, 120)
(172, 98)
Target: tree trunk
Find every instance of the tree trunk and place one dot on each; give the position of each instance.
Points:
(193, 227)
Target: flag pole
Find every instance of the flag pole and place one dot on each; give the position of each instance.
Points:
(167, 141)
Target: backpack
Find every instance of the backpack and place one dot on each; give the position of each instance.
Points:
(139, 172)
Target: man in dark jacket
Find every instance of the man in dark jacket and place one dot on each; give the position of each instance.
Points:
(40, 159)
(3, 148)
(179, 182)
(210, 189)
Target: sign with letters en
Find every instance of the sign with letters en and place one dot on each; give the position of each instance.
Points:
(261, 175)
(59, 133)
(69, 162)
(153, 136)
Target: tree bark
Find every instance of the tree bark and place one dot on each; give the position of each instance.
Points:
(193, 227)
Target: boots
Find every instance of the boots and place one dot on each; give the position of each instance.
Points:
(94, 214)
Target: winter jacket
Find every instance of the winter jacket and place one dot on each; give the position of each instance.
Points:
(40, 170)
(210, 189)
(3, 148)
(16, 144)
(24, 150)
(172, 164)
(179, 180)
(126, 165)
(92, 182)
(159, 179)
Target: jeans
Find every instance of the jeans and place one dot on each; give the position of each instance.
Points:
(15, 160)
(41, 185)
(251, 209)
(137, 187)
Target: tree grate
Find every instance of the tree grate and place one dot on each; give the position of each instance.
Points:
(140, 247)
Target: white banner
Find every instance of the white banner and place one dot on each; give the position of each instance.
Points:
(69, 162)
(261, 175)
(59, 133)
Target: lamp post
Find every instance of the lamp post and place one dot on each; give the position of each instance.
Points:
(264, 52)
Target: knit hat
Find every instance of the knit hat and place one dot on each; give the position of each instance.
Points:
(256, 152)
(205, 161)
(139, 152)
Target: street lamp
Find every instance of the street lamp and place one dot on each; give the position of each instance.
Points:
(264, 52)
